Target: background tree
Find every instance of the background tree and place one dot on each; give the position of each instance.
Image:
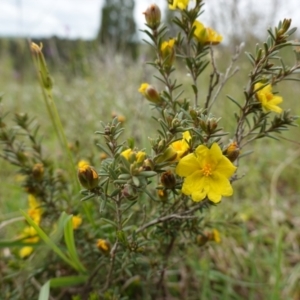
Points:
(118, 28)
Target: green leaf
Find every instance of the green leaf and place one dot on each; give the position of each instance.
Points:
(147, 173)
(135, 181)
(69, 240)
(58, 232)
(235, 102)
(251, 58)
(15, 243)
(109, 222)
(48, 241)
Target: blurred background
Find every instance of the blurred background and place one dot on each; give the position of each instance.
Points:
(97, 59)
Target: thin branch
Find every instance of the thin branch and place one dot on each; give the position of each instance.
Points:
(182, 216)
(227, 75)
(10, 221)
(214, 75)
(114, 249)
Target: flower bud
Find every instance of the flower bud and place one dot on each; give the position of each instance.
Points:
(37, 53)
(150, 93)
(162, 194)
(169, 155)
(153, 16)
(232, 151)
(129, 192)
(88, 177)
(148, 165)
(168, 180)
(38, 171)
(201, 239)
(167, 51)
(103, 246)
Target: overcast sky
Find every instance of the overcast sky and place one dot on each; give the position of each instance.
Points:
(80, 18)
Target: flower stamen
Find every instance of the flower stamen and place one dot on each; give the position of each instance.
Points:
(207, 170)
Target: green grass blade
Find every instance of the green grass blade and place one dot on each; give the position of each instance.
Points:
(68, 281)
(70, 243)
(45, 291)
(60, 282)
(48, 241)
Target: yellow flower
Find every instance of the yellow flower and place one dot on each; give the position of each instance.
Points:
(207, 173)
(268, 100)
(127, 153)
(34, 211)
(181, 4)
(215, 236)
(140, 156)
(25, 251)
(76, 221)
(103, 246)
(131, 155)
(30, 235)
(121, 119)
(206, 35)
(168, 52)
(182, 146)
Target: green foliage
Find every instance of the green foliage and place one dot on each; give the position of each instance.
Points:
(141, 237)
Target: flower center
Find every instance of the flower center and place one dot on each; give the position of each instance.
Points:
(269, 96)
(207, 170)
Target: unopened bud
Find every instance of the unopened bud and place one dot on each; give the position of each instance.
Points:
(150, 93)
(201, 239)
(129, 192)
(162, 194)
(37, 53)
(168, 180)
(38, 171)
(212, 124)
(232, 151)
(153, 16)
(148, 165)
(88, 177)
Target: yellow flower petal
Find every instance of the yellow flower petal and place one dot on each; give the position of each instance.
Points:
(76, 222)
(206, 35)
(187, 165)
(181, 4)
(182, 146)
(25, 251)
(127, 153)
